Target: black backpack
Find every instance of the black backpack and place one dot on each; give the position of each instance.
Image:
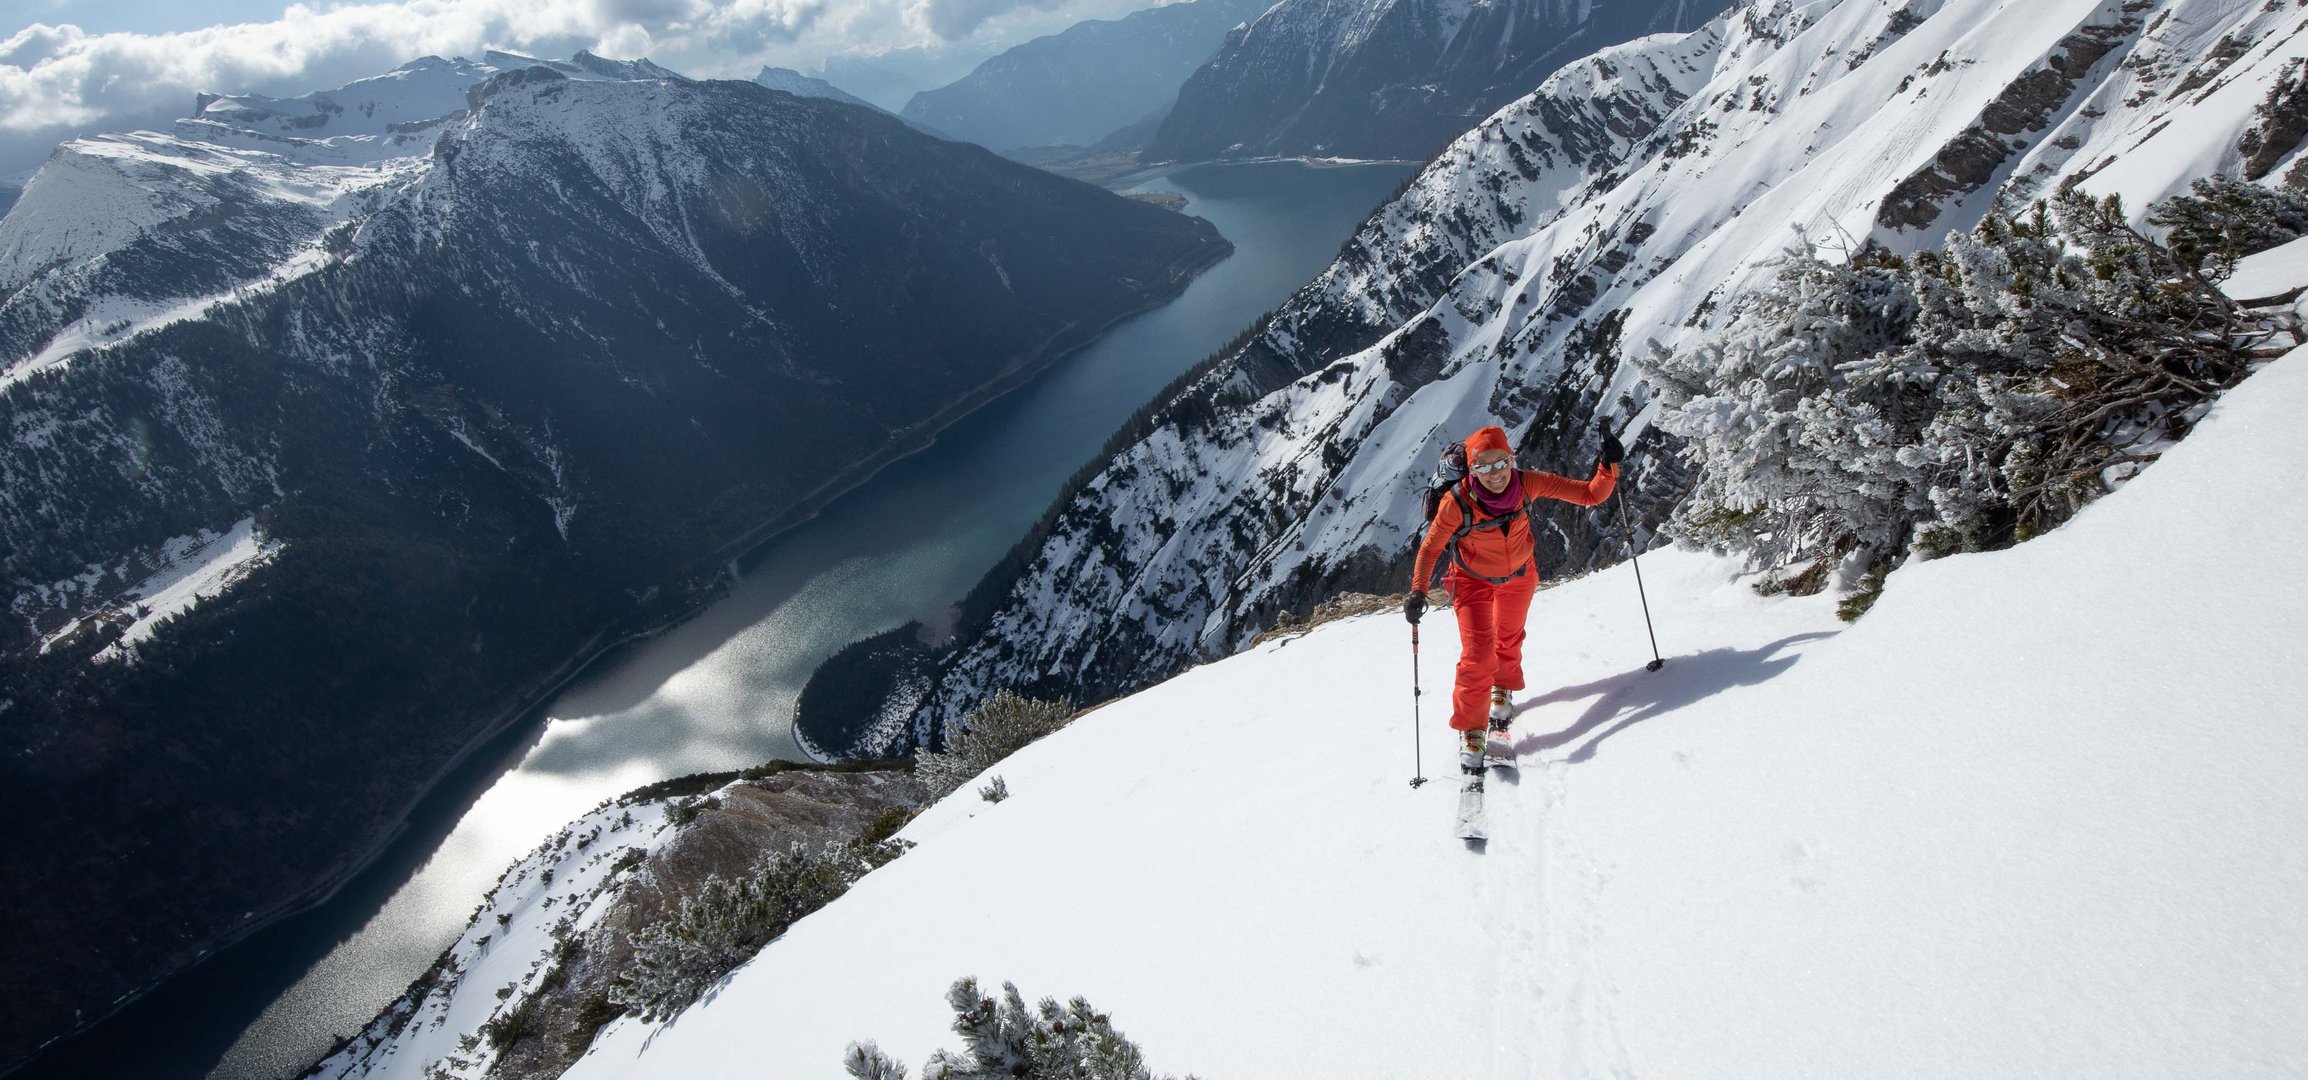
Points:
(1449, 473)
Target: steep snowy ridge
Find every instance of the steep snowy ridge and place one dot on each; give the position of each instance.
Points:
(393, 114)
(1518, 270)
(2026, 817)
(555, 894)
(532, 970)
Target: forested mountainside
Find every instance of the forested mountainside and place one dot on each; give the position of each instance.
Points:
(1625, 202)
(1389, 78)
(324, 456)
(1076, 87)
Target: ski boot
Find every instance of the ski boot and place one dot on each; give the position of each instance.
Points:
(1471, 757)
(1500, 750)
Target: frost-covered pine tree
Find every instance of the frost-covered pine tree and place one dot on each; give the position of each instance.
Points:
(726, 921)
(1795, 411)
(994, 730)
(1958, 400)
(1002, 1039)
(2222, 219)
(865, 1061)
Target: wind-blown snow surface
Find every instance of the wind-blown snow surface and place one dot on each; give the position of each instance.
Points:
(2270, 273)
(2038, 813)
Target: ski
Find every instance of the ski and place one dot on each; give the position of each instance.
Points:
(1470, 822)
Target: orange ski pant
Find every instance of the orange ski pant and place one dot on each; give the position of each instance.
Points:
(1490, 641)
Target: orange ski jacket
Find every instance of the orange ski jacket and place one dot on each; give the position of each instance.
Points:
(1503, 551)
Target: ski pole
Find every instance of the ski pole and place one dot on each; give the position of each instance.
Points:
(1644, 594)
(1418, 762)
(1656, 663)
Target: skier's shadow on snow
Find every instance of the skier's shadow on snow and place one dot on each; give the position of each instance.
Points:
(1635, 696)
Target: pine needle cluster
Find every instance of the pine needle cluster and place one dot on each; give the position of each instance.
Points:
(1003, 1040)
(999, 727)
(726, 921)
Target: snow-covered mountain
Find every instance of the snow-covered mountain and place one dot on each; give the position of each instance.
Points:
(800, 85)
(314, 469)
(123, 232)
(1623, 202)
(1076, 87)
(2015, 821)
(396, 114)
(1388, 78)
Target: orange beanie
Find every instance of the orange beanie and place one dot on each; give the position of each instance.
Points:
(1492, 437)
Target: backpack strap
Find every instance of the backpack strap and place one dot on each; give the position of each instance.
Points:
(1468, 524)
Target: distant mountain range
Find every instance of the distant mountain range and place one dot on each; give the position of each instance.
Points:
(800, 85)
(1077, 87)
(336, 430)
(1389, 78)
(889, 79)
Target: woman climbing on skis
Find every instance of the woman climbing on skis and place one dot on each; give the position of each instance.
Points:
(1483, 527)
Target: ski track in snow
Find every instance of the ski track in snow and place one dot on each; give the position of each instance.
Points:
(2036, 814)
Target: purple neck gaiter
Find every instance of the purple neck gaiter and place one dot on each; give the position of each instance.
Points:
(1505, 501)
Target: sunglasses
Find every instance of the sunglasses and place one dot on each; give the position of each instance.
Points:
(1486, 470)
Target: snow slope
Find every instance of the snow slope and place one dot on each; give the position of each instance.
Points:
(200, 566)
(2038, 813)
(1630, 199)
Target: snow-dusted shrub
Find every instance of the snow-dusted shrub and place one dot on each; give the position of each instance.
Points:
(991, 732)
(1004, 1039)
(2222, 219)
(726, 921)
(1959, 400)
(1792, 418)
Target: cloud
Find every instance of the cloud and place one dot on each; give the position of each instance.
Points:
(57, 82)
(953, 19)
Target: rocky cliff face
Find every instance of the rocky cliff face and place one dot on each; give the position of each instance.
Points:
(1389, 78)
(1077, 87)
(1622, 203)
(425, 429)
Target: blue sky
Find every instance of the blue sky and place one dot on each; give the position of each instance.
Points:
(146, 16)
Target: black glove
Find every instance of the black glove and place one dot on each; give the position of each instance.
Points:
(1414, 607)
(1613, 453)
